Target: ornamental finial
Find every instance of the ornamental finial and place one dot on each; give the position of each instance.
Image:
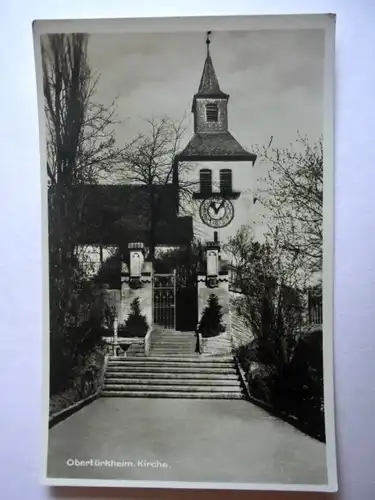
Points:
(208, 41)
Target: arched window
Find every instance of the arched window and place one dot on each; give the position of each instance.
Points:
(226, 180)
(205, 180)
(212, 112)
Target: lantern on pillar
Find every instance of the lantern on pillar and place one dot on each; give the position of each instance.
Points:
(212, 265)
(137, 258)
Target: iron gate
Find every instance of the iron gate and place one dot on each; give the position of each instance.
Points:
(164, 300)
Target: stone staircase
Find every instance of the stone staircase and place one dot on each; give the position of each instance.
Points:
(172, 370)
(172, 343)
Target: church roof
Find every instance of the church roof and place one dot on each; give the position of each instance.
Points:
(118, 214)
(218, 146)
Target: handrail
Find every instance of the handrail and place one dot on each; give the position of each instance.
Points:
(147, 342)
(200, 343)
(102, 373)
(199, 340)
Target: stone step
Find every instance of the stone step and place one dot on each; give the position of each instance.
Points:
(173, 341)
(172, 346)
(175, 358)
(208, 377)
(172, 394)
(172, 349)
(175, 369)
(150, 363)
(173, 336)
(175, 388)
(175, 352)
(196, 359)
(168, 355)
(166, 352)
(186, 382)
(146, 363)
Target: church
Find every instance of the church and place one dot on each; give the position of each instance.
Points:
(216, 163)
(218, 169)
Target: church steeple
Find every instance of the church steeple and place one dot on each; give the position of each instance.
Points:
(212, 140)
(209, 88)
(209, 84)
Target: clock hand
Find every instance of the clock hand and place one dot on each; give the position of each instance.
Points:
(221, 205)
(213, 206)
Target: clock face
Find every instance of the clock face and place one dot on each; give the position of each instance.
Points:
(216, 211)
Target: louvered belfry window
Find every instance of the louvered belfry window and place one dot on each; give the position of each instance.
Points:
(226, 180)
(205, 179)
(212, 112)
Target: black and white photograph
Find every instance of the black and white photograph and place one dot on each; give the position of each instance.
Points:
(187, 191)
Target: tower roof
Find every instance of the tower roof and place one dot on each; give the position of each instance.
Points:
(209, 84)
(212, 140)
(215, 147)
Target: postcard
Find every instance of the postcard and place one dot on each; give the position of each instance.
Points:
(187, 179)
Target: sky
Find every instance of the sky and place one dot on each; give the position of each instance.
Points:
(274, 78)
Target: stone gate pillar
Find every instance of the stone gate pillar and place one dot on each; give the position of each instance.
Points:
(215, 280)
(136, 282)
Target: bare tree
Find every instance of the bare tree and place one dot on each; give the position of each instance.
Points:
(152, 161)
(293, 194)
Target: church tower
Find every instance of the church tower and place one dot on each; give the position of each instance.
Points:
(218, 165)
(210, 104)
(212, 139)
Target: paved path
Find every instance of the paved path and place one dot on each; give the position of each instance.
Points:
(199, 440)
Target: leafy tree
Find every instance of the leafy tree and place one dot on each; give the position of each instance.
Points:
(136, 324)
(280, 368)
(271, 305)
(211, 322)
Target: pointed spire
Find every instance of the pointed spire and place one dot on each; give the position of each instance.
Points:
(209, 83)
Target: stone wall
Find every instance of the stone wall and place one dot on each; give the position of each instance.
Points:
(241, 333)
(221, 291)
(145, 301)
(217, 346)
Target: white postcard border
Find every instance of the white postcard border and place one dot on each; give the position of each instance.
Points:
(199, 24)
